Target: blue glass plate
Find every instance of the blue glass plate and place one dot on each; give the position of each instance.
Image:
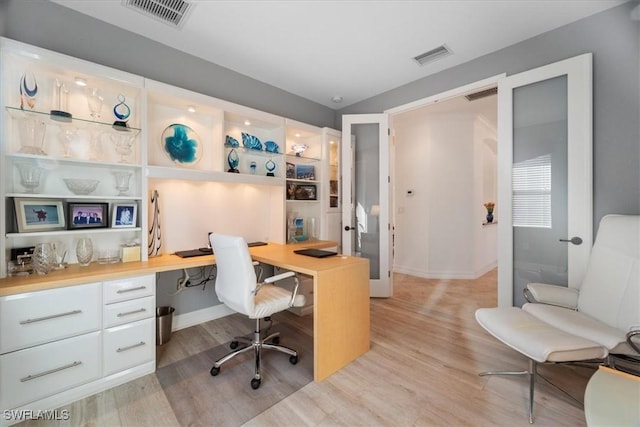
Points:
(271, 147)
(181, 144)
(230, 141)
(251, 141)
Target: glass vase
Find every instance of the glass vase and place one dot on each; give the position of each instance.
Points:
(30, 175)
(43, 258)
(32, 131)
(84, 251)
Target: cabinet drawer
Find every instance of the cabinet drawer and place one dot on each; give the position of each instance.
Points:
(39, 317)
(128, 311)
(130, 288)
(129, 345)
(37, 372)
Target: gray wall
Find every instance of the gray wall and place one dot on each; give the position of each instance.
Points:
(614, 40)
(51, 26)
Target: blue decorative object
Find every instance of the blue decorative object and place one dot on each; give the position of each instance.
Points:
(28, 94)
(251, 142)
(230, 141)
(181, 144)
(253, 166)
(299, 149)
(271, 147)
(233, 160)
(490, 217)
(122, 113)
(270, 166)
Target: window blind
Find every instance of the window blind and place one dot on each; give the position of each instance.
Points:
(531, 202)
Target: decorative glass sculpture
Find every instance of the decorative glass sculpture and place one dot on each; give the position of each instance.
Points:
(59, 112)
(122, 181)
(84, 251)
(230, 141)
(251, 141)
(122, 113)
(299, 149)
(66, 136)
(30, 175)
(43, 258)
(155, 232)
(123, 143)
(28, 91)
(60, 253)
(94, 101)
(270, 166)
(271, 147)
(252, 167)
(32, 131)
(234, 160)
(182, 144)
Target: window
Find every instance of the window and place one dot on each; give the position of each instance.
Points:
(532, 192)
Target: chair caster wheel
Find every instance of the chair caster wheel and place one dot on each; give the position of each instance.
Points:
(214, 371)
(276, 340)
(293, 359)
(255, 383)
(233, 345)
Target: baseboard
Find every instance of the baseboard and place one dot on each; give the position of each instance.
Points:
(464, 275)
(181, 321)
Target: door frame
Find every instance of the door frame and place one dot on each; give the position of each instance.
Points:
(580, 135)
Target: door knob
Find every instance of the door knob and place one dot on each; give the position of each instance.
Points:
(347, 228)
(573, 240)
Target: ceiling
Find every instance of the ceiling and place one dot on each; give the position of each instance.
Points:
(352, 49)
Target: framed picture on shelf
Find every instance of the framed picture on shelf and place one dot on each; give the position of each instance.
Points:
(291, 170)
(291, 191)
(39, 215)
(305, 192)
(306, 172)
(88, 215)
(124, 215)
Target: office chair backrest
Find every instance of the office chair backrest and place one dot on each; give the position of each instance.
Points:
(236, 277)
(610, 291)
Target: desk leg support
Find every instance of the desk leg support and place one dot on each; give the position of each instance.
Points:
(341, 320)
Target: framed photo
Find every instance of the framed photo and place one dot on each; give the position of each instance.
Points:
(39, 215)
(306, 172)
(291, 191)
(88, 215)
(305, 192)
(124, 215)
(291, 170)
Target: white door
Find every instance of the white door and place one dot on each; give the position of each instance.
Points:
(366, 202)
(544, 177)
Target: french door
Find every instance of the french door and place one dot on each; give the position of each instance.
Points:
(366, 202)
(544, 177)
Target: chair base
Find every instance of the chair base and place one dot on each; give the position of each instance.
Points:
(256, 344)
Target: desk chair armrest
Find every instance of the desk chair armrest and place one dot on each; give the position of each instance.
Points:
(282, 276)
(279, 277)
(634, 343)
(551, 295)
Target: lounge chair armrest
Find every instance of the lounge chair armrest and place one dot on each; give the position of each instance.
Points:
(552, 295)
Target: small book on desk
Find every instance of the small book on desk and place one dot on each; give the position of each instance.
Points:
(316, 253)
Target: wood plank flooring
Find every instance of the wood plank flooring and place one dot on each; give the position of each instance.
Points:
(422, 370)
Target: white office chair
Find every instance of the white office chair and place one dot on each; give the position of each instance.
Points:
(596, 321)
(237, 287)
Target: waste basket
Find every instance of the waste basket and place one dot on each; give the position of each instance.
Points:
(164, 318)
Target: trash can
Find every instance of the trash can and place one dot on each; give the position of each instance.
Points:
(164, 318)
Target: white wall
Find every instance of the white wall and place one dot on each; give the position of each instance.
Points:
(447, 162)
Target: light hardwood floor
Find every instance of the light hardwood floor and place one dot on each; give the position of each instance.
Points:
(422, 370)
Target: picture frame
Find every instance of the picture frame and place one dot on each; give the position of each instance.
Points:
(87, 215)
(125, 215)
(39, 215)
(291, 191)
(306, 192)
(306, 172)
(291, 170)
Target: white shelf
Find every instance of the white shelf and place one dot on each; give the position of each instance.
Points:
(162, 172)
(75, 231)
(71, 196)
(304, 181)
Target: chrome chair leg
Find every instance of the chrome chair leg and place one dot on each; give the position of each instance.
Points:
(532, 373)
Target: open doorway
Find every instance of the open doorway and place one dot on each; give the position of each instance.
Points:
(445, 172)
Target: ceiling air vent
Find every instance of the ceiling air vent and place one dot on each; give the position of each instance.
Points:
(482, 94)
(171, 12)
(432, 55)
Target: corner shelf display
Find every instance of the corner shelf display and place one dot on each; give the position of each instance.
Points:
(71, 133)
(303, 168)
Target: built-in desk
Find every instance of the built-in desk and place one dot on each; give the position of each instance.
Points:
(340, 297)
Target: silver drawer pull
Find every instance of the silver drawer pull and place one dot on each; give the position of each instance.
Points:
(129, 347)
(42, 374)
(53, 316)
(142, 310)
(123, 291)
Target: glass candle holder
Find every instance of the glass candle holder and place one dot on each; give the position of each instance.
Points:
(84, 251)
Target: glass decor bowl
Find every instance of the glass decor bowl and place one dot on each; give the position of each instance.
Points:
(181, 144)
(81, 187)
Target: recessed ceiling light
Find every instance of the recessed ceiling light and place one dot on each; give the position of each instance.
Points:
(191, 109)
(297, 135)
(80, 81)
(247, 123)
(337, 99)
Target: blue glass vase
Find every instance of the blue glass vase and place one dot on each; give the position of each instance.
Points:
(490, 217)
